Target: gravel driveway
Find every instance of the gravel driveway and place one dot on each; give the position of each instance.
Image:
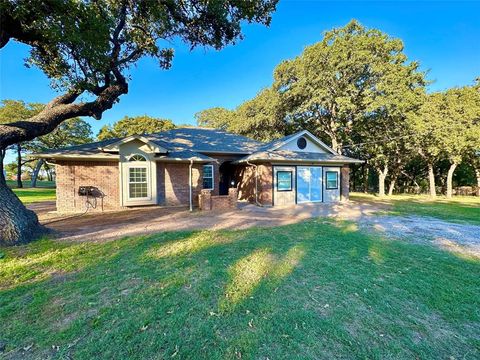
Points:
(463, 238)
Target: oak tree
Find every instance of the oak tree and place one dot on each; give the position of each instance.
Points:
(136, 125)
(87, 47)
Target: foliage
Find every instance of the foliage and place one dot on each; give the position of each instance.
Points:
(136, 125)
(357, 90)
(260, 118)
(14, 110)
(217, 118)
(87, 47)
(352, 81)
(74, 131)
(315, 289)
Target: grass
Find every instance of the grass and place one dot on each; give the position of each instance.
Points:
(32, 195)
(44, 192)
(457, 209)
(317, 289)
(26, 184)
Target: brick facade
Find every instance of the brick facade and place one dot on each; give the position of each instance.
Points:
(207, 201)
(101, 174)
(345, 182)
(245, 176)
(172, 183)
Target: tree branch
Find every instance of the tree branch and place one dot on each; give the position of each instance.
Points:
(58, 110)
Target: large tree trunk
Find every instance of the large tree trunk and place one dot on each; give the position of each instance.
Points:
(38, 166)
(449, 179)
(365, 179)
(17, 224)
(391, 186)
(382, 174)
(336, 145)
(431, 181)
(19, 166)
(477, 173)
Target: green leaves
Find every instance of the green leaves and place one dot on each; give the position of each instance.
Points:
(134, 126)
(84, 44)
(354, 78)
(450, 123)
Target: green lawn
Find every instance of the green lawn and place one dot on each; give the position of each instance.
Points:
(44, 192)
(26, 184)
(31, 195)
(457, 209)
(316, 289)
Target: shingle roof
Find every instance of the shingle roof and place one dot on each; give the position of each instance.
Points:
(185, 155)
(288, 155)
(277, 142)
(176, 140)
(193, 143)
(205, 140)
(84, 149)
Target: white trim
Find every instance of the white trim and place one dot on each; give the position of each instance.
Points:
(310, 184)
(75, 156)
(139, 165)
(136, 154)
(115, 146)
(213, 177)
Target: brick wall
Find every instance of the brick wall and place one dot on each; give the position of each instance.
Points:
(345, 182)
(174, 180)
(207, 201)
(246, 183)
(72, 174)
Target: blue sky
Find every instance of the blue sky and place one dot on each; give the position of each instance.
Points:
(443, 36)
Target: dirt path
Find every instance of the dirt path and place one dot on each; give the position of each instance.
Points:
(464, 238)
(111, 225)
(107, 226)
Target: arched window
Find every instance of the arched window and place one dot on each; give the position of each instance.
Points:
(137, 157)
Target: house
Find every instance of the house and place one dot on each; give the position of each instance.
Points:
(175, 167)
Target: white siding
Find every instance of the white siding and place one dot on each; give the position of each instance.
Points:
(311, 146)
(331, 195)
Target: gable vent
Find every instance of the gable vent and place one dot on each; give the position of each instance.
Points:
(301, 143)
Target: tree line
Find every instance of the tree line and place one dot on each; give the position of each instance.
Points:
(357, 90)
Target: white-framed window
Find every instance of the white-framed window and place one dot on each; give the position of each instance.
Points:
(208, 177)
(137, 183)
(137, 157)
(284, 180)
(331, 180)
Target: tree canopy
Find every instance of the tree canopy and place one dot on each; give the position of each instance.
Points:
(354, 76)
(87, 47)
(357, 90)
(136, 125)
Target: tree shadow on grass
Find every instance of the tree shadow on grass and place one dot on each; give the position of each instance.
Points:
(314, 289)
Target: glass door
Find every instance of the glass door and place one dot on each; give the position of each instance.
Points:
(309, 184)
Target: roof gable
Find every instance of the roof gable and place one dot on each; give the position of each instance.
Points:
(285, 142)
(155, 148)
